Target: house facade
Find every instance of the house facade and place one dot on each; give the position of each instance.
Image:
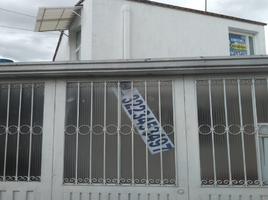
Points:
(130, 121)
(136, 29)
(171, 129)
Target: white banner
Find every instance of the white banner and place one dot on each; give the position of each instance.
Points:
(139, 120)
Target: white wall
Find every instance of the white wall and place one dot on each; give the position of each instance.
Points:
(157, 32)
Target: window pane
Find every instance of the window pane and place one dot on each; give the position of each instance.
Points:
(111, 144)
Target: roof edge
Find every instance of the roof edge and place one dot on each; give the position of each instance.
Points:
(199, 12)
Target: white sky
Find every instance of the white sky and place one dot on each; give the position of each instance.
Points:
(27, 46)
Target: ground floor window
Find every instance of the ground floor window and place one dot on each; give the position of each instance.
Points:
(119, 133)
(233, 117)
(21, 121)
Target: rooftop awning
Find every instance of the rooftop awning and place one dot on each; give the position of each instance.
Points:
(55, 19)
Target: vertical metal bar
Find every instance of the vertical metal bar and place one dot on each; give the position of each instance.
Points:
(212, 134)
(174, 129)
(104, 134)
(31, 135)
(160, 131)
(146, 132)
(254, 107)
(132, 138)
(242, 131)
(18, 136)
(77, 133)
(118, 133)
(91, 132)
(227, 132)
(7, 124)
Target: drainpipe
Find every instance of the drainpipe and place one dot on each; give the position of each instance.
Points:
(126, 32)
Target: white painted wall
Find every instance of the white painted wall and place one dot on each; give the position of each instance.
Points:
(155, 32)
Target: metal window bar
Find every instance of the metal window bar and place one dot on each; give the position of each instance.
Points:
(212, 135)
(227, 133)
(160, 132)
(242, 132)
(146, 132)
(104, 134)
(132, 173)
(7, 123)
(118, 133)
(18, 134)
(260, 181)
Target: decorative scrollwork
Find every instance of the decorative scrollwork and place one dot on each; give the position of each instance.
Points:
(2, 130)
(204, 126)
(4, 86)
(22, 178)
(245, 81)
(234, 126)
(216, 81)
(231, 81)
(139, 83)
(10, 178)
(112, 84)
(260, 81)
(97, 129)
(85, 84)
(70, 130)
(84, 127)
(71, 84)
(249, 126)
(39, 85)
(126, 132)
(37, 130)
(111, 129)
(219, 126)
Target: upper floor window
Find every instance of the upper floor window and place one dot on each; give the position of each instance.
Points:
(241, 44)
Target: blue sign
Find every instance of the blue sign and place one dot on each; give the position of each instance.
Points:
(237, 45)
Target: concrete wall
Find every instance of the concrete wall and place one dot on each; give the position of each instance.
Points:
(156, 32)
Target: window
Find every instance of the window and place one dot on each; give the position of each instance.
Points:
(230, 112)
(78, 45)
(112, 133)
(241, 44)
(21, 121)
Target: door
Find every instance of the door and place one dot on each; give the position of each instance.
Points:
(26, 139)
(103, 148)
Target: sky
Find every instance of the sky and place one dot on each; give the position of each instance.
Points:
(20, 43)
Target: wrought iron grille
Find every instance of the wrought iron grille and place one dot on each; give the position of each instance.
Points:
(112, 133)
(230, 115)
(21, 121)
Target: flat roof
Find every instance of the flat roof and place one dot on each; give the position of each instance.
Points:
(139, 67)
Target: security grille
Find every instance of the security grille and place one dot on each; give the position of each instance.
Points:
(231, 113)
(21, 121)
(112, 133)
